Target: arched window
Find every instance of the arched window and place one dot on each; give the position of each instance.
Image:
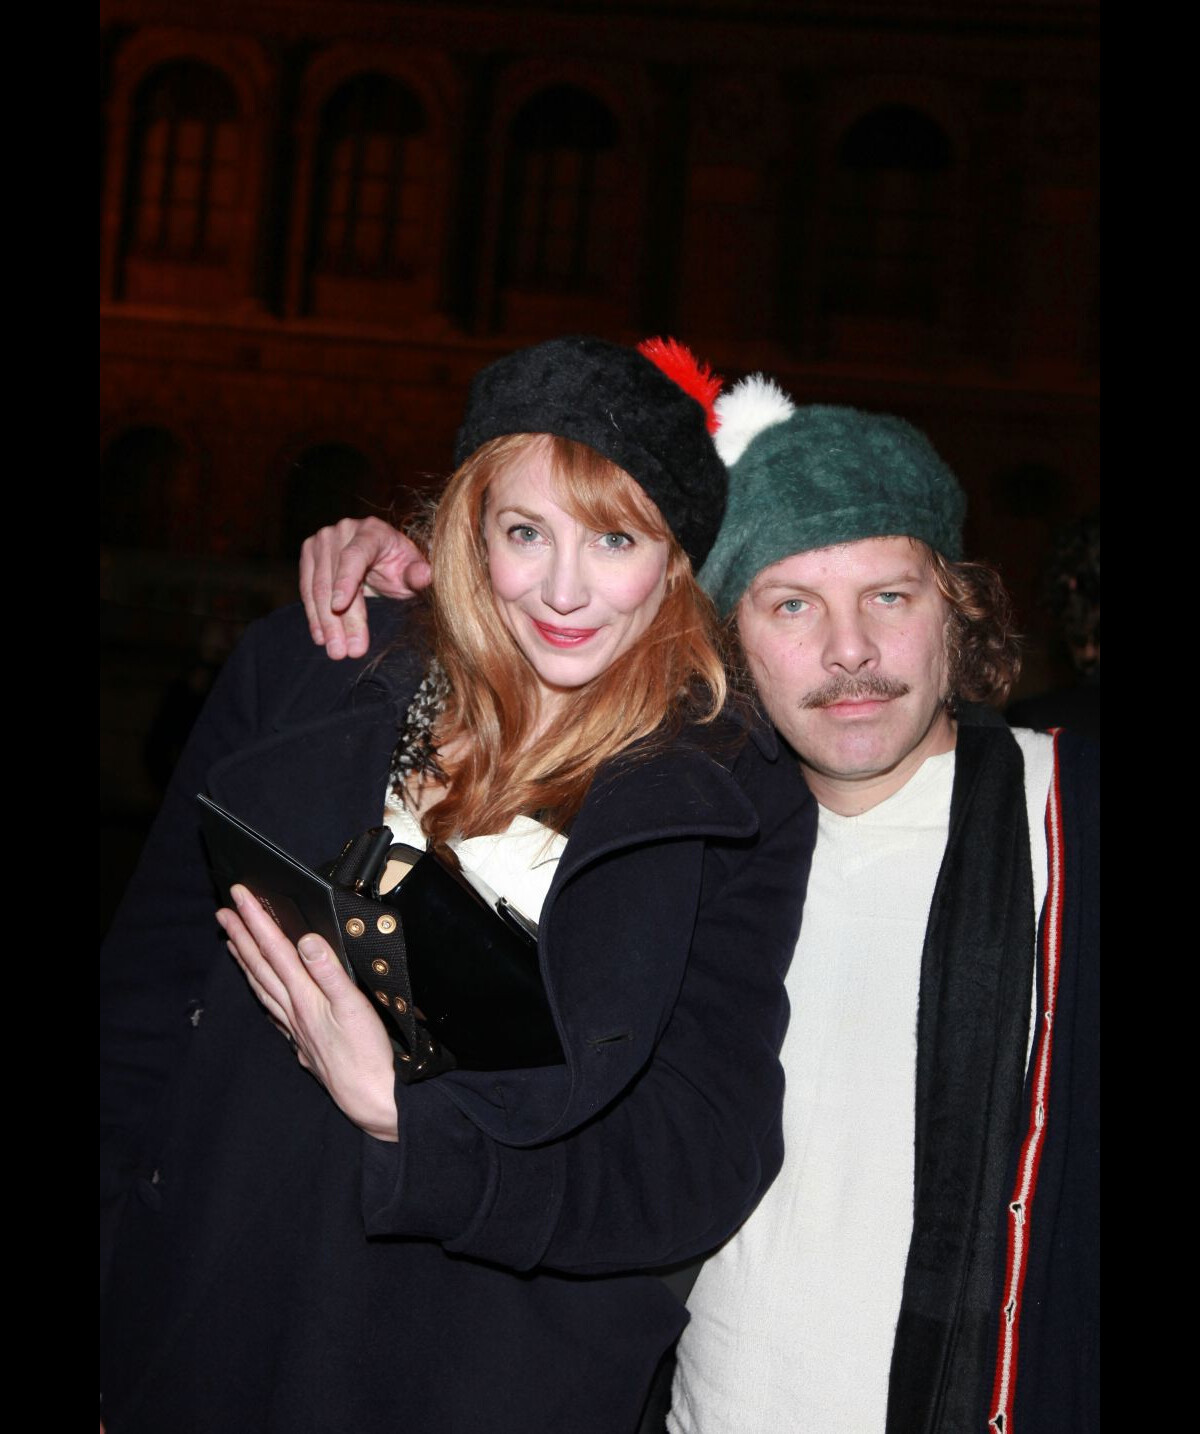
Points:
(186, 168)
(890, 218)
(373, 181)
(140, 473)
(561, 194)
(326, 482)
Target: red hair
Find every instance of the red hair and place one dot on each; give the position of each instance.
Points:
(491, 716)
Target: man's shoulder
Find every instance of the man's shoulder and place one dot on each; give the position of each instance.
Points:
(1079, 782)
(1080, 753)
(1079, 749)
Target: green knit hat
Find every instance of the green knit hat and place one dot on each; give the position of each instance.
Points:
(803, 478)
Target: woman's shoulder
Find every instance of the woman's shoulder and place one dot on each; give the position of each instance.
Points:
(732, 767)
(725, 737)
(391, 623)
(744, 742)
(278, 655)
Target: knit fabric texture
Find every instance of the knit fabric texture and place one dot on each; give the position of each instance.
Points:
(828, 475)
(622, 405)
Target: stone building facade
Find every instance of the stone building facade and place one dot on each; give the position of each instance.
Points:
(319, 218)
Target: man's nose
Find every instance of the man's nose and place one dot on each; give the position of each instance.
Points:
(565, 588)
(849, 644)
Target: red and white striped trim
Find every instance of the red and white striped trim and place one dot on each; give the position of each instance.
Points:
(1020, 1207)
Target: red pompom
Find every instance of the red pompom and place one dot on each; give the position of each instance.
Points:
(682, 367)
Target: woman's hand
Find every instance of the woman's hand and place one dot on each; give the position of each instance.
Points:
(309, 996)
(340, 565)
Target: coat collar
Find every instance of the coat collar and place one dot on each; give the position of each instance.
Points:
(680, 791)
(344, 756)
(339, 723)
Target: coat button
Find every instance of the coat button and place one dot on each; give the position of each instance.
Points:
(354, 927)
(380, 966)
(386, 924)
(149, 1192)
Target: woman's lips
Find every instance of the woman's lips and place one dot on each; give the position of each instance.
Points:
(564, 636)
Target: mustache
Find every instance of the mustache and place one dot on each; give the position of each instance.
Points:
(852, 689)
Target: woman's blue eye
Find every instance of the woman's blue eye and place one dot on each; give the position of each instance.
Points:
(616, 540)
(523, 533)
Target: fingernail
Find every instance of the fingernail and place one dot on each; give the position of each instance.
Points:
(338, 597)
(239, 894)
(222, 921)
(310, 947)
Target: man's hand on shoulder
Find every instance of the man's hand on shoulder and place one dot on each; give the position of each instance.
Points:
(341, 565)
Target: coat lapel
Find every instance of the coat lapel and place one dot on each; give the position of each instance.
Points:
(344, 758)
(681, 792)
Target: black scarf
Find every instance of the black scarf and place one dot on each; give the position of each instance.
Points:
(972, 1034)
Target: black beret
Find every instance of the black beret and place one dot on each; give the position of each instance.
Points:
(621, 404)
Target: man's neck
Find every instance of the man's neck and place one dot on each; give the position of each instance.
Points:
(851, 796)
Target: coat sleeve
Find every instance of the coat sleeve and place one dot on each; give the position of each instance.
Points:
(672, 1165)
(151, 977)
(164, 942)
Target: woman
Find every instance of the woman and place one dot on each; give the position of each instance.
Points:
(475, 1252)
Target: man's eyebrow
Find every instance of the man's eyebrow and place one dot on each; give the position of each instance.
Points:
(906, 577)
(779, 585)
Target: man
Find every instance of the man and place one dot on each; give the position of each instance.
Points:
(926, 1259)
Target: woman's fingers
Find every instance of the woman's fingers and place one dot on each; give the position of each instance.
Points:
(300, 982)
(279, 1015)
(253, 960)
(338, 1036)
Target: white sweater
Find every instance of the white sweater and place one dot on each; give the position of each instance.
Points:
(793, 1319)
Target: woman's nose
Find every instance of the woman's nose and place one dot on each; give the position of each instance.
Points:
(565, 589)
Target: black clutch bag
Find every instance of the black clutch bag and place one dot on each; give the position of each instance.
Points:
(454, 974)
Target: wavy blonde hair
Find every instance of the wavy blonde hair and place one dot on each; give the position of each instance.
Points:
(674, 669)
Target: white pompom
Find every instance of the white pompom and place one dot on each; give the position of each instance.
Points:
(752, 404)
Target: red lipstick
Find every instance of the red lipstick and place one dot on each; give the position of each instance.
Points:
(564, 636)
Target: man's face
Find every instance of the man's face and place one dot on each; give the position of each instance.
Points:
(848, 648)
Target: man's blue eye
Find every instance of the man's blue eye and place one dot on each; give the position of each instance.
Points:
(793, 605)
(889, 599)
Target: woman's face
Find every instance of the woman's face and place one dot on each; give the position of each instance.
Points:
(574, 599)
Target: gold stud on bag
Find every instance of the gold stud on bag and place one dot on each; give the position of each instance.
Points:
(452, 969)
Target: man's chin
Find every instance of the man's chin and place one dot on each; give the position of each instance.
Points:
(863, 747)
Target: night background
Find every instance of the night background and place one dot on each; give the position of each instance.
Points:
(319, 218)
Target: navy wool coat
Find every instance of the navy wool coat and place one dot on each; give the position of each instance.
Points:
(271, 1268)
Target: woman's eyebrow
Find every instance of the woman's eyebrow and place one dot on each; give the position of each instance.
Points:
(520, 512)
